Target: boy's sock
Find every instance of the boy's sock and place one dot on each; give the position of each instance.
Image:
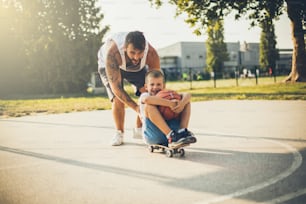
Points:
(169, 136)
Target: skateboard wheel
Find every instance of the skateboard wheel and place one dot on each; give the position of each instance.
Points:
(151, 148)
(181, 152)
(169, 153)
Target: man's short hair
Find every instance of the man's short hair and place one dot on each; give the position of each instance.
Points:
(137, 39)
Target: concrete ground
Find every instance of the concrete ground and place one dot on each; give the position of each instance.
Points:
(247, 152)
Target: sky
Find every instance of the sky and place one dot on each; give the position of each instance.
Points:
(162, 28)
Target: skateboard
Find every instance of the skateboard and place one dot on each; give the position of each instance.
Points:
(170, 151)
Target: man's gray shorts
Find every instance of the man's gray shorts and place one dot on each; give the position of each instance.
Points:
(137, 79)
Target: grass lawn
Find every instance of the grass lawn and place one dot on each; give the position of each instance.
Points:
(247, 89)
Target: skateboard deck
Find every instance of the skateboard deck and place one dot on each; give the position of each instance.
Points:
(170, 151)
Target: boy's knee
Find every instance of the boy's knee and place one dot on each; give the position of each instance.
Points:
(148, 109)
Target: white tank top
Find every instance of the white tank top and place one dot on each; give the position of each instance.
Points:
(119, 39)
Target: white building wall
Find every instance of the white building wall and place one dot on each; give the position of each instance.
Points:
(190, 54)
(250, 55)
(193, 55)
(171, 50)
(233, 50)
(174, 50)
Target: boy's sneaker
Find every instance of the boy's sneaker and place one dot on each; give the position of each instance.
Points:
(117, 139)
(184, 132)
(137, 133)
(175, 139)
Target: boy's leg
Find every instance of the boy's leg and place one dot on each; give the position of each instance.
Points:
(154, 115)
(172, 136)
(185, 116)
(152, 134)
(184, 122)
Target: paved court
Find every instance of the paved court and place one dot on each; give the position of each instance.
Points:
(247, 152)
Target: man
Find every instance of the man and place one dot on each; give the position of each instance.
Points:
(125, 56)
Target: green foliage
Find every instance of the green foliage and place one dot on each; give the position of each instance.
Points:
(268, 53)
(201, 91)
(200, 12)
(52, 45)
(216, 48)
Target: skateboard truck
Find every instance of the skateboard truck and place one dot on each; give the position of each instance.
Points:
(170, 151)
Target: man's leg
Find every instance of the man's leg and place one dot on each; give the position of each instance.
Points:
(118, 110)
(137, 131)
(138, 120)
(137, 79)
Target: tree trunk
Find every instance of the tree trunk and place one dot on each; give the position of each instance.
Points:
(298, 68)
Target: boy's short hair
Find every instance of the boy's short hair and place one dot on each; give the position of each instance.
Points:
(154, 74)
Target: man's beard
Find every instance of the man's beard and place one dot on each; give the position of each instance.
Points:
(135, 62)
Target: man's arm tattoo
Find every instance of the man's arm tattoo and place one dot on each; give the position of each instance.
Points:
(115, 80)
(112, 67)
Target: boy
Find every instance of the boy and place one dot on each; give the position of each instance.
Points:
(156, 130)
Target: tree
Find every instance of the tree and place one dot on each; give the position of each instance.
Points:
(11, 44)
(268, 52)
(68, 40)
(296, 10)
(58, 41)
(216, 48)
(200, 12)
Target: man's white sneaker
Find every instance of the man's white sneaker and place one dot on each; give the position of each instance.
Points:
(137, 133)
(117, 139)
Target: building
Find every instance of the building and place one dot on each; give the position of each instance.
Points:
(234, 54)
(249, 55)
(190, 57)
(181, 57)
(283, 64)
(187, 60)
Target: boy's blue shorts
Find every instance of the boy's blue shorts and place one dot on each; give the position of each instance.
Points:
(153, 135)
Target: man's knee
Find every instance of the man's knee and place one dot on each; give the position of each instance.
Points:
(117, 103)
